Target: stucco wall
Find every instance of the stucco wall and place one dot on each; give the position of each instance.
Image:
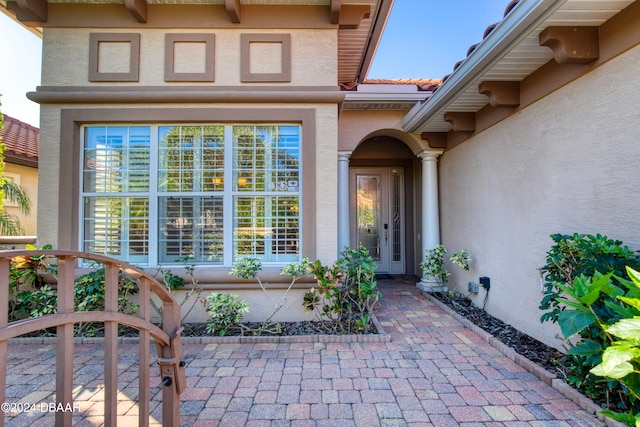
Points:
(568, 163)
(29, 180)
(314, 60)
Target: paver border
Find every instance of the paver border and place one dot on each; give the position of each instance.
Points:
(548, 377)
(380, 337)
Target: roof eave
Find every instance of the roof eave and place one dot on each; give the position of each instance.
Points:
(515, 27)
(380, 22)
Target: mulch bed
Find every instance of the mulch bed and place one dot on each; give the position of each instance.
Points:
(286, 329)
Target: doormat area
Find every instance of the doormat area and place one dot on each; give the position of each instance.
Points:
(383, 276)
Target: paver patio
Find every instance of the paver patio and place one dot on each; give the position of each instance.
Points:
(434, 372)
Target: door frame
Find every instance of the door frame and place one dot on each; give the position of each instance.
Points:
(386, 265)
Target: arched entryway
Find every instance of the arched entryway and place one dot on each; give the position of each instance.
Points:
(381, 202)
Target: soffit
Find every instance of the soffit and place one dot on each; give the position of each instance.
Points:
(516, 62)
(357, 46)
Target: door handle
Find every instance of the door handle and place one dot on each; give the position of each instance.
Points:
(386, 233)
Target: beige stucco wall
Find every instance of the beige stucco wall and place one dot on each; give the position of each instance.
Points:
(314, 56)
(568, 163)
(29, 180)
(357, 125)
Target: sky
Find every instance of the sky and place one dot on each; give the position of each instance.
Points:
(423, 39)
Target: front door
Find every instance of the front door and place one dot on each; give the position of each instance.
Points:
(377, 215)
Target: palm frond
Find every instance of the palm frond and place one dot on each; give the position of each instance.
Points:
(9, 225)
(17, 194)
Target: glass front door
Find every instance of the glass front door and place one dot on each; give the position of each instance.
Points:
(377, 215)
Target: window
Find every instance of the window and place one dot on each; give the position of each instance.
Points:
(154, 194)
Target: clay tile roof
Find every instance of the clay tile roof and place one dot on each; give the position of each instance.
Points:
(20, 139)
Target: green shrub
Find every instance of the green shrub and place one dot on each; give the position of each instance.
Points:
(346, 292)
(581, 254)
(89, 292)
(33, 297)
(248, 268)
(621, 360)
(584, 277)
(433, 265)
(225, 313)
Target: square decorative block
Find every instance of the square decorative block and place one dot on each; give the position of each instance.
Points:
(114, 57)
(189, 57)
(265, 58)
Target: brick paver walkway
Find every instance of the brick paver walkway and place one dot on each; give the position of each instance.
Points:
(434, 372)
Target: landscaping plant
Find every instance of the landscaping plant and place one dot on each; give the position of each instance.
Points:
(33, 297)
(225, 313)
(173, 282)
(586, 283)
(433, 265)
(249, 267)
(346, 292)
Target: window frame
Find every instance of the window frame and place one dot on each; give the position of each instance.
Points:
(73, 121)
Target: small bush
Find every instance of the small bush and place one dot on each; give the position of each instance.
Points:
(346, 292)
(225, 313)
(585, 278)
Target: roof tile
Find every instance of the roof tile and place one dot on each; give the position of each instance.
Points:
(20, 138)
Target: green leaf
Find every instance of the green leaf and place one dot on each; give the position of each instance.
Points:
(586, 348)
(622, 311)
(618, 371)
(574, 304)
(571, 322)
(634, 302)
(634, 276)
(626, 329)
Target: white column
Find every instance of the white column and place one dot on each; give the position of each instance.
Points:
(343, 200)
(430, 212)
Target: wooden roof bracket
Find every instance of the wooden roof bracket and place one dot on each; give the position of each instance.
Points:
(501, 93)
(572, 45)
(233, 10)
(435, 139)
(138, 8)
(348, 16)
(30, 11)
(461, 121)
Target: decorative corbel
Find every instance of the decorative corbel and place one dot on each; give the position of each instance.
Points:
(461, 121)
(352, 14)
(29, 10)
(501, 93)
(138, 8)
(233, 10)
(572, 45)
(435, 139)
(335, 11)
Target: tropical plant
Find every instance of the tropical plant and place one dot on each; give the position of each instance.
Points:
(346, 292)
(581, 254)
(584, 276)
(248, 268)
(225, 312)
(17, 194)
(33, 297)
(613, 347)
(433, 265)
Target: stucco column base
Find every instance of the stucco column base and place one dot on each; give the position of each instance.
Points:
(430, 285)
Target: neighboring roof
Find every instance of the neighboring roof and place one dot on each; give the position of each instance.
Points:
(21, 142)
(509, 52)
